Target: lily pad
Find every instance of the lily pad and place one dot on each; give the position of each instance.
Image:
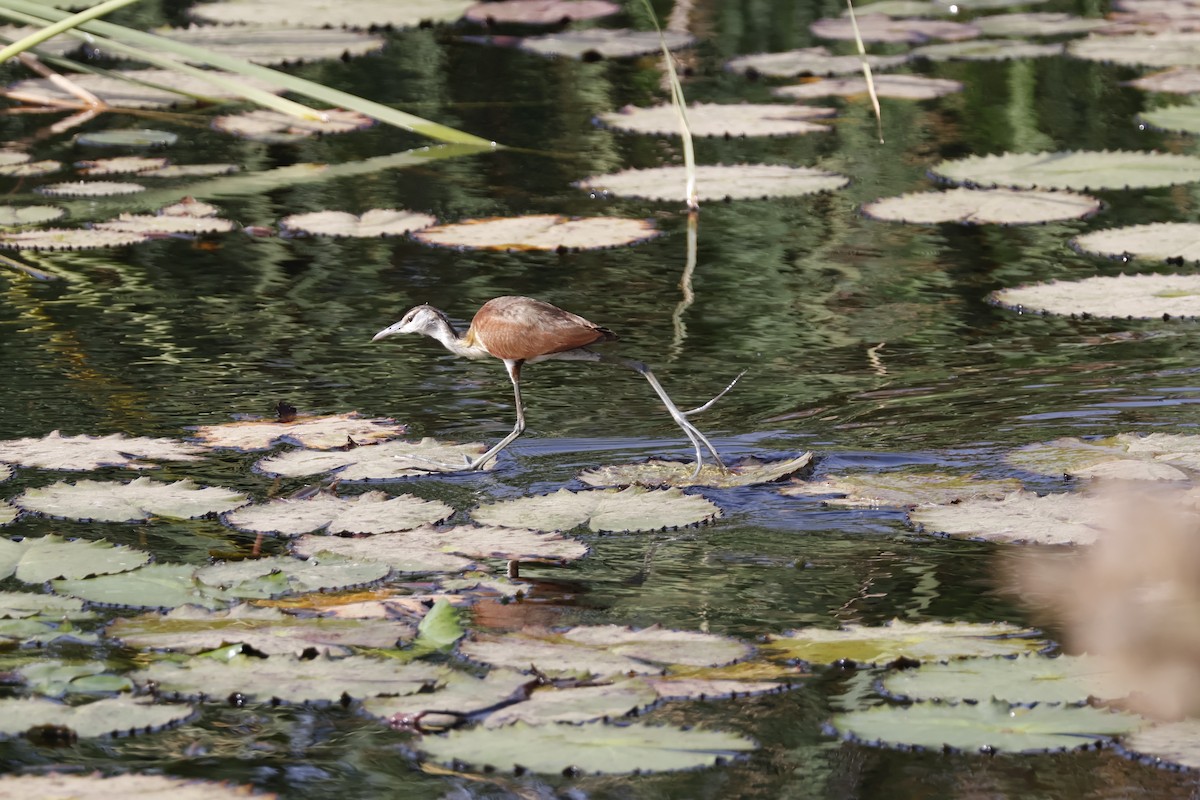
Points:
(132, 93)
(605, 42)
(1120, 296)
(164, 225)
(16, 216)
(276, 575)
(1072, 456)
(657, 472)
(983, 206)
(266, 125)
(136, 501)
(683, 688)
(22, 605)
(1037, 24)
(69, 239)
(903, 87)
(8, 512)
(1170, 742)
(385, 461)
(129, 137)
(457, 696)
(1185, 119)
(190, 171)
(540, 12)
(371, 512)
(1080, 170)
(1024, 680)
(1148, 50)
(985, 726)
(540, 232)
(90, 189)
(1177, 80)
(376, 223)
(30, 169)
(323, 14)
(577, 704)
(1163, 241)
(808, 61)
(882, 28)
(315, 433)
(152, 586)
(131, 786)
(55, 451)
(1064, 518)
(120, 165)
(57, 678)
(876, 489)
(720, 119)
(922, 641)
(408, 551)
(717, 182)
(48, 557)
(632, 509)
(284, 44)
(594, 748)
(116, 716)
(988, 50)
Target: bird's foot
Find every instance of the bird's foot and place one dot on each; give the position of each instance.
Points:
(709, 404)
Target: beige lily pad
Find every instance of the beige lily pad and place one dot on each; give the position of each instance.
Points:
(882, 28)
(55, 451)
(459, 695)
(126, 94)
(716, 182)
(1064, 518)
(406, 552)
(131, 786)
(577, 704)
(190, 207)
(283, 44)
(90, 189)
(1169, 49)
(44, 558)
(8, 512)
(1114, 456)
(902, 8)
(688, 648)
(1079, 170)
(55, 45)
(1037, 24)
(983, 206)
(69, 239)
(375, 223)
(314, 433)
(1162, 241)
(266, 125)
(681, 688)
(903, 87)
(370, 512)
(540, 232)
(30, 169)
(919, 641)
(1119, 296)
(988, 50)
(165, 224)
(6, 472)
(120, 165)
(136, 501)
(881, 489)
(384, 461)
(657, 472)
(720, 119)
(633, 509)
(114, 716)
(808, 61)
(540, 12)
(1169, 742)
(1026, 679)
(16, 216)
(606, 42)
(273, 576)
(324, 14)
(1185, 119)
(1177, 80)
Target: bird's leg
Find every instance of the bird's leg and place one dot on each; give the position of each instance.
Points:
(514, 374)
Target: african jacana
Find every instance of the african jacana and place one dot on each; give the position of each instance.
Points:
(522, 330)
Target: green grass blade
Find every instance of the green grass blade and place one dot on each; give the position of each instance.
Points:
(680, 105)
(862, 54)
(37, 37)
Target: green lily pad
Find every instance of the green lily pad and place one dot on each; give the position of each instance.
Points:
(922, 641)
(370, 512)
(683, 688)
(376, 223)
(657, 472)
(55, 451)
(90, 188)
(1120, 296)
(983, 206)
(1037, 24)
(1176, 80)
(540, 232)
(1024, 680)
(1080, 458)
(716, 182)
(1168, 49)
(807, 61)
(1185, 119)
(152, 586)
(131, 137)
(30, 169)
(136, 501)
(539, 12)
(276, 575)
(16, 216)
(191, 171)
(22, 605)
(903, 87)
(988, 50)
(457, 696)
(1162, 241)
(632, 509)
(606, 42)
(1064, 518)
(58, 678)
(720, 119)
(165, 225)
(385, 461)
(116, 716)
(8, 512)
(577, 704)
(1073, 170)
(48, 557)
(894, 488)
(314, 433)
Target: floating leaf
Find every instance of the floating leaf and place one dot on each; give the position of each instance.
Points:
(190, 171)
(875, 489)
(540, 232)
(315, 433)
(720, 119)
(1177, 80)
(1150, 50)
(1171, 742)
(904, 87)
(677, 688)
(1037, 24)
(882, 28)
(377, 222)
(116, 716)
(1025, 680)
(606, 42)
(384, 461)
(923, 641)
(371, 512)
(626, 510)
(190, 207)
(287, 679)
(266, 125)
(983, 206)
(808, 61)
(286, 44)
(121, 165)
(30, 169)
(40, 631)
(1078, 170)
(1173, 118)
(131, 786)
(69, 239)
(548, 705)
(717, 182)
(1020, 517)
(57, 678)
(691, 648)
(138, 500)
(988, 50)
(657, 472)
(1074, 457)
(42, 559)
(8, 512)
(22, 605)
(593, 748)
(152, 586)
(985, 726)
(323, 14)
(191, 629)
(1164, 241)
(129, 91)
(90, 189)
(15, 216)
(1128, 296)
(276, 575)
(540, 12)
(131, 137)
(459, 694)
(165, 224)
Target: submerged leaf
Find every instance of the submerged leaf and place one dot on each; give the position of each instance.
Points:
(1129, 296)
(56, 678)
(48, 557)
(117, 716)
(138, 500)
(716, 182)
(923, 641)
(632, 509)
(1074, 457)
(384, 461)
(983, 206)
(22, 605)
(55, 451)
(657, 472)
(540, 232)
(720, 119)
(1077, 170)
(376, 223)
(371, 512)
(315, 433)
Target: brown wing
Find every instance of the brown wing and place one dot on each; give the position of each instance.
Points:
(523, 328)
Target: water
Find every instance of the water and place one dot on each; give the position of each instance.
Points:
(867, 342)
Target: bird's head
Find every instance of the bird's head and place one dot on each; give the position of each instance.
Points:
(424, 320)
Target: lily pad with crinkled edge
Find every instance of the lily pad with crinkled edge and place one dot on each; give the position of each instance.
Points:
(265, 125)
(983, 206)
(25, 605)
(1027, 679)
(273, 576)
(901, 8)
(314, 433)
(882, 28)
(902, 87)
(985, 726)
(1080, 170)
(988, 50)
(807, 61)
(1148, 50)
(540, 232)
(119, 165)
(893, 488)
(1165, 743)
(594, 748)
(627, 510)
(921, 641)
(577, 704)
(1037, 24)
(459, 693)
(1128, 296)
(151, 586)
(720, 119)
(1081, 458)
(1163, 241)
(376, 223)
(323, 14)
(45, 558)
(716, 182)
(190, 171)
(606, 42)
(385, 461)
(55, 678)
(163, 224)
(69, 239)
(121, 93)
(8, 512)
(136, 501)
(30, 169)
(657, 472)
(370, 512)
(280, 44)
(1064, 518)
(288, 679)
(540, 12)
(115, 716)
(191, 629)
(130, 786)
(1177, 80)
(90, 189)
(1173, 118)
(15, 216)
(128, 137)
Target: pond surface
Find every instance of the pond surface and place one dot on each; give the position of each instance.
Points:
(870, 343)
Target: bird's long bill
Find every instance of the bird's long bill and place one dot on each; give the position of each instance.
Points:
(390, 330)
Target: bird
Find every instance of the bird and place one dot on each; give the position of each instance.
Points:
(523, 330)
